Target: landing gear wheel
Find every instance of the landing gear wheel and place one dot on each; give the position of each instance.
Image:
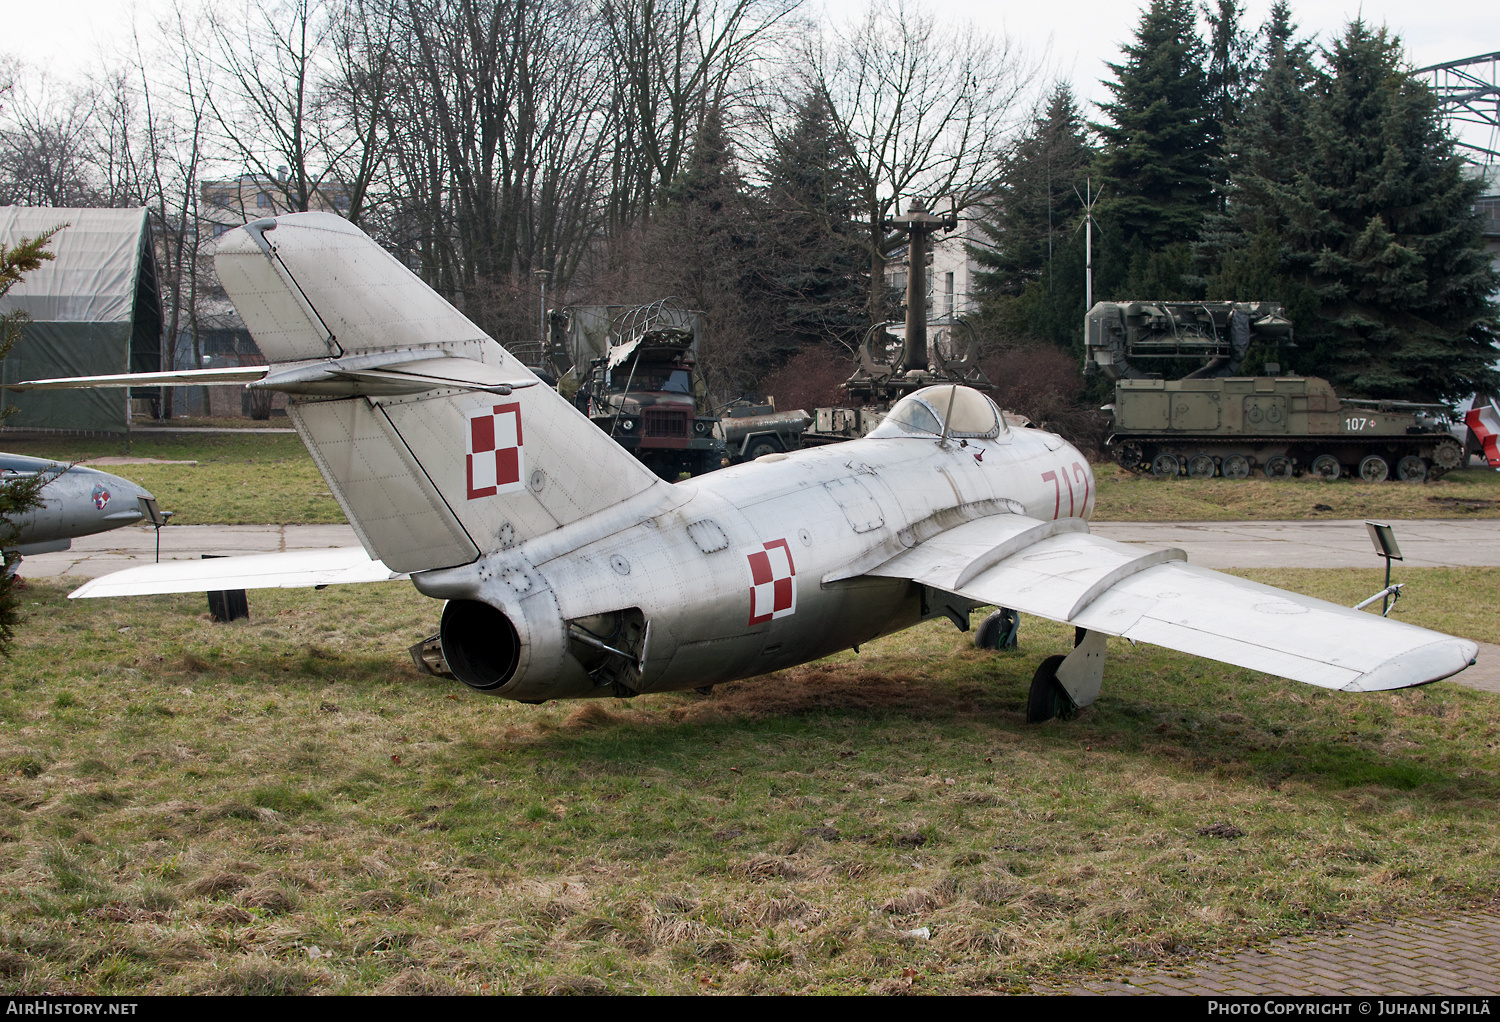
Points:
(1047, 698)
(1278, 466)
(1327, 468)
(1411, 469)
(1235, 467)
(1165, 466)
(998, 630)
(1201, 466)
(1374, 469)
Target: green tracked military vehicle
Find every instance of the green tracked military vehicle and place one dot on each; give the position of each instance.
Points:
(1217, 422)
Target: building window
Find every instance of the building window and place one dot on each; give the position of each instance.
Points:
(263, 200)
(948, 295)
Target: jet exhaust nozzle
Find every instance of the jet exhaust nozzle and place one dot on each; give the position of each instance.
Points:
(481, 646)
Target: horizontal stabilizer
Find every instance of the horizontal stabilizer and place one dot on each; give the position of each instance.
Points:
(291, 569)
(185, 378)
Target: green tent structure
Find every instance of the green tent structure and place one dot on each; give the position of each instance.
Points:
(94, 309)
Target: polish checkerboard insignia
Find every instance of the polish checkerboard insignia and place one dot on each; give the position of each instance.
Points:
(495, 457)
(773, 581)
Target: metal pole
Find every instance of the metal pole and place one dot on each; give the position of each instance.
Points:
(1088, 247)
(916, 296)
(1385, 603)
(542, 275)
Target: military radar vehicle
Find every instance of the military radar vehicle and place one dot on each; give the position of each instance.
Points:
(1218, 421)
(642, 392)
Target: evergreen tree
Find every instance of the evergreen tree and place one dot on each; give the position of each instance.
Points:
(18, 494)
(1037, 201)
(814, 269)
(1159, 152)
(1032, 281)
(1229, 76)
(1355, 196)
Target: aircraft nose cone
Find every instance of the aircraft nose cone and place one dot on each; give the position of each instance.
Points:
(116, 498)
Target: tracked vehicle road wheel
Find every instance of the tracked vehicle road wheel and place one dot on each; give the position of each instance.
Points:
(1374, 469)
(1235, 466)
(1165, 466)
(1411, 469)
(1201, 466)
(1327, 468)
(1278, 466)
(1047, 698)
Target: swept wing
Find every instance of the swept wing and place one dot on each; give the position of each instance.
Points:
(1059, 571)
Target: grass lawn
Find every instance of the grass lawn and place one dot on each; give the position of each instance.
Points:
(1127, 497)
(285, 804)
(239, 479)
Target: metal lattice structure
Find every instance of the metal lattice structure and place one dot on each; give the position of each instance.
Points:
(1468, 91)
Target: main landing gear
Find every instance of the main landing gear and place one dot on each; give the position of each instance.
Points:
(1062, 684)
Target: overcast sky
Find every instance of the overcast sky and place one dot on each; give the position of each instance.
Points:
(1076, 38)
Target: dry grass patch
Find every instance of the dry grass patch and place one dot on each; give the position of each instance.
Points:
(315, 816)
(1127, 497)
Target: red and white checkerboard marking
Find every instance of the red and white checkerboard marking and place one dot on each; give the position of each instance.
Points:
(773, 581)
(494, 454)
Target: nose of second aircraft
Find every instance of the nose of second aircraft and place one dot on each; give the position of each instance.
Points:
(95, 501)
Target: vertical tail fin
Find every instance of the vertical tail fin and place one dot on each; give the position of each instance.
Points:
(432, 478)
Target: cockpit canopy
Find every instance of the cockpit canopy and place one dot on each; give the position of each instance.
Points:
(968, 413)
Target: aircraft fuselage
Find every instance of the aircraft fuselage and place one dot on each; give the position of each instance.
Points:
(750, 569)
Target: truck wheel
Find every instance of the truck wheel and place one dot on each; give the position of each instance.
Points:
(1278, 466)
(1165, 466)
(1374, 469)
(1327, 468)
(1411, 469)
(1201, 466)
(760, 449)
(1235, 467)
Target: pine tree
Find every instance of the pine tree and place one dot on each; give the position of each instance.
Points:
(1037, 199)
(18, 494)
(1032, 281)
(814, 268)
(1363, 205)
(1159, 153)
(1229, 76)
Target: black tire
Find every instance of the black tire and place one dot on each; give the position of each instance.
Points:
(997, 630)
(1047, 698)
(761, 448)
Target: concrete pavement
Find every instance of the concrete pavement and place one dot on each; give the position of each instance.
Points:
(1321, 544)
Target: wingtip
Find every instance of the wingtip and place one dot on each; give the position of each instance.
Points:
(1421, 666)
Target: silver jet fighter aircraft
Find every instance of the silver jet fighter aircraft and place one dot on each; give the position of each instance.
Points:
(571, 571)
(76, 501)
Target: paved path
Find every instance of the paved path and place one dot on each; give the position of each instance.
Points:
(1321, 544)
(1341, 544)
(1422, 955)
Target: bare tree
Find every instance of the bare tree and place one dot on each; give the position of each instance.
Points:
(47, 146)
(672, 60)
(923, 111)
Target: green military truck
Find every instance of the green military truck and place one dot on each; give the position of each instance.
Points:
(1217, 421)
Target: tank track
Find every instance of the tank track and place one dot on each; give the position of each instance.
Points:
(1139, 453)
